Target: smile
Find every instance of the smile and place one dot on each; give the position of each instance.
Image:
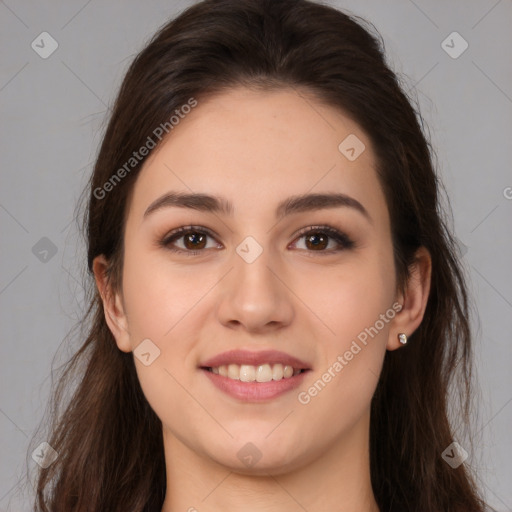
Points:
(262, 373)
(255, 376)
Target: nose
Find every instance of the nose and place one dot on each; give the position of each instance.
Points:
(255, 296)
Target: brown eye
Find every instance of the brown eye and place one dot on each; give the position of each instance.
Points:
(195, 240)
(316, 241)
(188, 240)
(324, 240)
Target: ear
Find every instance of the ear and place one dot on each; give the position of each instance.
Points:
(414, 299)
(112, 305)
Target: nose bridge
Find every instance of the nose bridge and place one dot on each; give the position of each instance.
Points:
(252, 276)
(253, 296)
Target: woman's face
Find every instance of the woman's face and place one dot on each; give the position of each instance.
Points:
(267, 274)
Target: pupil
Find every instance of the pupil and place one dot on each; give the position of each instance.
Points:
(317, 236)
(192, 238)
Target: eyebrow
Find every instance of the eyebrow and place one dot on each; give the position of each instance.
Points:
(293, 204)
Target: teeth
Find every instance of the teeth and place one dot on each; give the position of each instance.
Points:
(262, 373)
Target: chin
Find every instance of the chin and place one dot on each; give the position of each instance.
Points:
(259, 456)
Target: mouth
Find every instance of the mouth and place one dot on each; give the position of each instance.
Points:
(255, 376)
(250, 373)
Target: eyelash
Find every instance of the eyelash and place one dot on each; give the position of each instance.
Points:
(341, 238)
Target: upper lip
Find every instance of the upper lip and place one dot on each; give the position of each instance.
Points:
(248, 357)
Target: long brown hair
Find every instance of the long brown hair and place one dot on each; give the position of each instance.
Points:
(108, 439)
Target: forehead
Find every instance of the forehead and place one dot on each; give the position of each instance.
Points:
(257, 147)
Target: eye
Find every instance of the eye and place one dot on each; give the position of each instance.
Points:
(194, 240)
(317, 239)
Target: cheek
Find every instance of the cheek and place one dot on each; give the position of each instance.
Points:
(347, 299)
(167, 304)
(160, 304)
(355, 306)
(158, 295)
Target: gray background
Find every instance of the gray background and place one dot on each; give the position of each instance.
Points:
(52, 115)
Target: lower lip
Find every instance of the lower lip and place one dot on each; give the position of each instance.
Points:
(255, 391)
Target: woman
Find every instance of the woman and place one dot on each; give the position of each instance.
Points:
(279, 311)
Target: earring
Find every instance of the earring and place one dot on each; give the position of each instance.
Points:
(402, 338)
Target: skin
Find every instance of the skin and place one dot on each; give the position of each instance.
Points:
(256, 149)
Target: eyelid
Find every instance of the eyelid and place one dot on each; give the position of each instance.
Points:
(187, 229)
(336, 234)
(180, 232)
